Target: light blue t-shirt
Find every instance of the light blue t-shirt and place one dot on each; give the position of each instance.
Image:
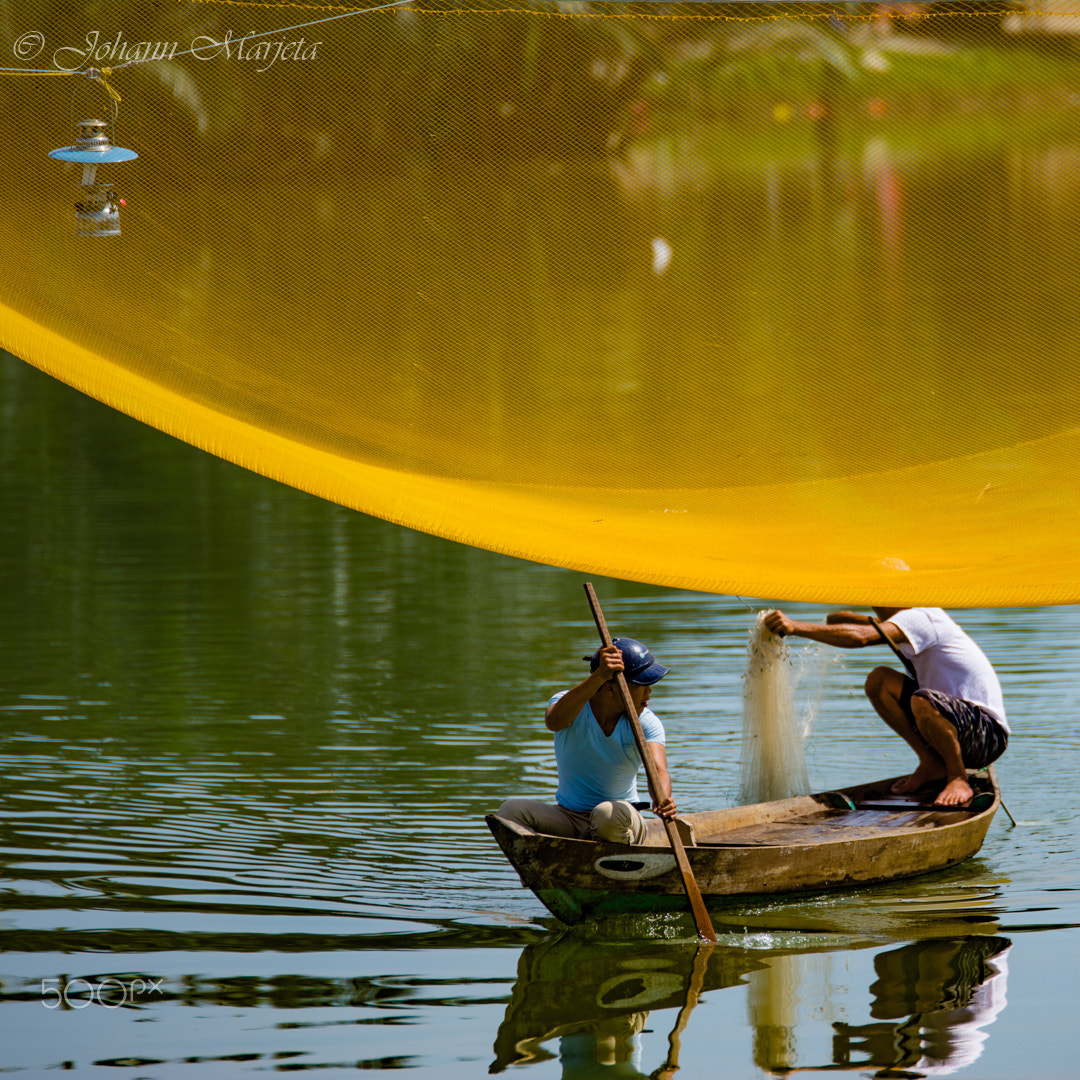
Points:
(594, 767)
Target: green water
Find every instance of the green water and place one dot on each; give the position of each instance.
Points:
(247, 741)
(247, 738)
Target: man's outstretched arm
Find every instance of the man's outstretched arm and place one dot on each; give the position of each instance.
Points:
(841, 634)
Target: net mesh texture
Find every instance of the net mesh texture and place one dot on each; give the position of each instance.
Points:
(766, 299)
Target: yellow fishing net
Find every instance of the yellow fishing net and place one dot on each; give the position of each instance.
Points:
(768, 299)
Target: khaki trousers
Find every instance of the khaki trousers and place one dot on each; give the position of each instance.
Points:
(615, 821)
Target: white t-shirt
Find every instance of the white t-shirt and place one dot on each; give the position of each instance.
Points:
(946, 659)
(961, 1033)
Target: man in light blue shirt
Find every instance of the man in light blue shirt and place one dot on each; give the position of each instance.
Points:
(596, 754)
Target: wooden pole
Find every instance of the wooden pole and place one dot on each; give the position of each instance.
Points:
(693, 893)
(693, 993)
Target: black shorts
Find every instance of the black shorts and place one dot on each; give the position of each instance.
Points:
(982, 737)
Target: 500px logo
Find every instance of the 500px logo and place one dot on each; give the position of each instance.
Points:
(110, 992)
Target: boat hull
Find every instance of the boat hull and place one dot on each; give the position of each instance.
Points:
(798, 845)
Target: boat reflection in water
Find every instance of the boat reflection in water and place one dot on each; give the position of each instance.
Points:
(595, 998)
(930, 1005)
(933, 1001)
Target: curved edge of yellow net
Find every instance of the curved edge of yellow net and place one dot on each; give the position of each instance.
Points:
(789, 541)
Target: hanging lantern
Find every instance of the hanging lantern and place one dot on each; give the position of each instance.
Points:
(97, 212)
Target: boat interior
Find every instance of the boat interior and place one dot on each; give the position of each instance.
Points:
(850, 814)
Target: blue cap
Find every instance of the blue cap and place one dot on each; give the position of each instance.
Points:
(639, 666)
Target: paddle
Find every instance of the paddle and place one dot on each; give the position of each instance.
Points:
(908, 665)
(911, 671)
(693, 893)
(693, 993)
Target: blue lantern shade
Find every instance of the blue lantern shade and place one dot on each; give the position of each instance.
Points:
(97, 213)
(92, 146)
(93, 157)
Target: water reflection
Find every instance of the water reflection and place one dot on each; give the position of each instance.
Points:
(596, 999)
(947, 994)
(589, 1004)
(248, 739)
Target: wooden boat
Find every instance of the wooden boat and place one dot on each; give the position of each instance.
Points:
(809, 843)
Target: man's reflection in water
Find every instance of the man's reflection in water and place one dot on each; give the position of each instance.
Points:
(596, 998)
(947, 993)
(931, 1003)
(608, 1049)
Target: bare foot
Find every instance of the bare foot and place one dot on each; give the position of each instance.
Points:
(923, 775)
(954, 793)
